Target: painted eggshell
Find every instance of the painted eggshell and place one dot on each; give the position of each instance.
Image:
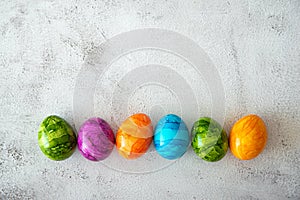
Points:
(209, 139)
(96, 140)
(134, 136)
(248, 137)
(56, 138)
(171, 137)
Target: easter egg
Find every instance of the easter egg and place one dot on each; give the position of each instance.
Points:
(56, 138)
(209, 139)
(96, 139)
(134, 136)
(171, 137)
(248, 137)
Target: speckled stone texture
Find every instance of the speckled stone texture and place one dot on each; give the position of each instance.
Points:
(253, 44)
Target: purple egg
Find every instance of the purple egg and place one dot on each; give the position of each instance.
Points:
(96, 140)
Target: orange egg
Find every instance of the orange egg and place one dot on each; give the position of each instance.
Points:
(248, 137)
(134, 136)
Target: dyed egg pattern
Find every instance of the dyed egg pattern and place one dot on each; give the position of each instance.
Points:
(209, 139)
(134, 136)
(56, 138)
(248, 137)
(96, 139)
(171, 137)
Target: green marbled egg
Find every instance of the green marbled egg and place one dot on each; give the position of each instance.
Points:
(210, 141)
(56, 138)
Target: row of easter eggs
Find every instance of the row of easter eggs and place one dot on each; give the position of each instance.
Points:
(171, 137)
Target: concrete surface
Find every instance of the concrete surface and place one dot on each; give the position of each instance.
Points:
(254, 45)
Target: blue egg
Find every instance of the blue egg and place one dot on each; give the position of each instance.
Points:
(171, 137)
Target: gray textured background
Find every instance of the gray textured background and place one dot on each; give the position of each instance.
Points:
(254, 46)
